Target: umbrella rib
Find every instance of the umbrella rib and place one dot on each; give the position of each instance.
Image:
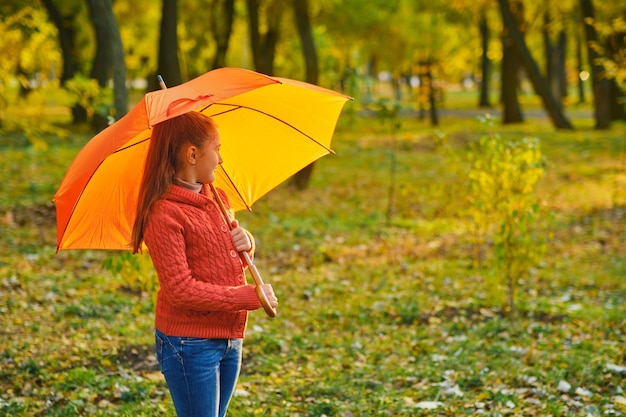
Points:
(130, 146)
(238, 106)
(235, 188)
(71, 215)
(69, 218)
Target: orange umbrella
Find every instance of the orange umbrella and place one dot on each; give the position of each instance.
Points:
(270, 127)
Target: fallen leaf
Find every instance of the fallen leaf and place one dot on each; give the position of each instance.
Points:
(564, 386)
(616, 368)
(428, 405)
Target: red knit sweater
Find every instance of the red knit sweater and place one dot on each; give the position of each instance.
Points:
(203, 291)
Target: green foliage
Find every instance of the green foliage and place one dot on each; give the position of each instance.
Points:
(29, 175)
(86, 92)
(28, 115)
(140, 35)
(27, 84)
(135, 270)
(613, 55)
(503, 206)
(388, 114)
(27, 41)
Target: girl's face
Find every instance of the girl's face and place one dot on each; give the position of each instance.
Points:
(207, 159)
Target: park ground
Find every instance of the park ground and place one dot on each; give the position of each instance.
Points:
(386, 310)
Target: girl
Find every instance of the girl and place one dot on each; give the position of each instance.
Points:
(203, 302)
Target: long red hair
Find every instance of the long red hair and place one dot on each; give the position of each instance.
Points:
(167, 140)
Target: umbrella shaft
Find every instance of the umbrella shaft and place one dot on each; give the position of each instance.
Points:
(256, 276)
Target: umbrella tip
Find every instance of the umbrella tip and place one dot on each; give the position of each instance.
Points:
(161, 82)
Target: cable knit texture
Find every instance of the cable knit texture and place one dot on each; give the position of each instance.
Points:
(203, 288)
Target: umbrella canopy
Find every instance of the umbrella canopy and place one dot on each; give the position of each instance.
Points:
(270, 128)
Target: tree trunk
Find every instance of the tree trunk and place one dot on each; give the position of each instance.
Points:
(264, 45)
(561, 67)
(254, 31)
(222, 22)
(432, 95)
(616, 100)
(599, 82)
(169, 66)
(66, 42)
(555, 63)
(532, 70)
(66, 39)
(551, 57)
(485, 62)
(579, 61)
(512, 113)
(303, 24)
(616, 50)
(102, 64)
(109, 53)
(120, 92)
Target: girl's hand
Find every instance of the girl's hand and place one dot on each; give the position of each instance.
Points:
(269, 293)
(241, 240)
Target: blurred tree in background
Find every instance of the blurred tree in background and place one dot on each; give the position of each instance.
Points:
(407, 51)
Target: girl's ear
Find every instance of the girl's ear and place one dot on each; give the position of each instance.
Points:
(190, 155)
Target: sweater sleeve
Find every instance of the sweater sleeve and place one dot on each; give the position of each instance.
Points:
(164, 238)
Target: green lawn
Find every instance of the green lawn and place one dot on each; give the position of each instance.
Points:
(384, 310)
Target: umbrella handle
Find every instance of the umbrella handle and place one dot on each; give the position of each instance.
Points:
(256, 276)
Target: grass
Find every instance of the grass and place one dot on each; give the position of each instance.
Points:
(379, 315)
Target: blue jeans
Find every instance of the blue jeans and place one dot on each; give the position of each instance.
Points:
(201, 374)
